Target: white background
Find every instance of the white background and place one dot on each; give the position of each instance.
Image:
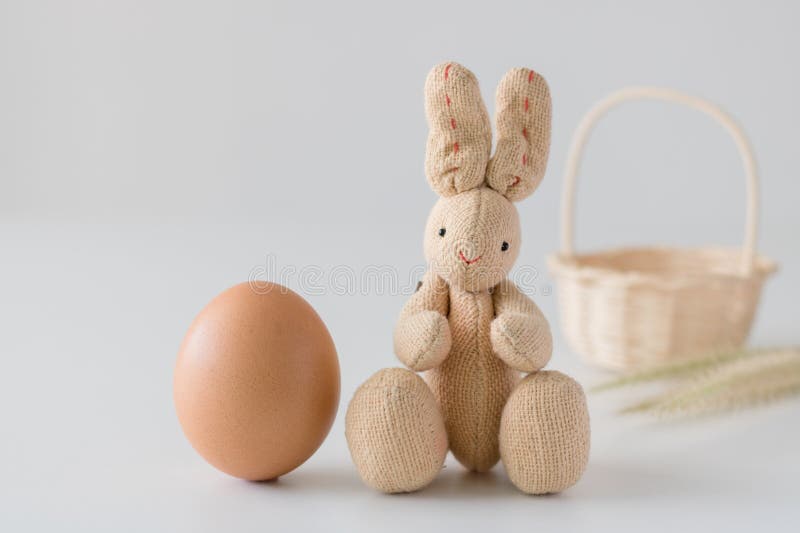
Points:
(153, 153)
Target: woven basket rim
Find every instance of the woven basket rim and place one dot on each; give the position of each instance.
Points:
(574, 266)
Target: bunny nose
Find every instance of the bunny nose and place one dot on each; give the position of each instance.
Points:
(464, 258)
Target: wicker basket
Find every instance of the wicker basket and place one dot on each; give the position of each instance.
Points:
(635, 307)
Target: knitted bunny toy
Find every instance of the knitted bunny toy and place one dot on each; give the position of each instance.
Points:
(468, 326)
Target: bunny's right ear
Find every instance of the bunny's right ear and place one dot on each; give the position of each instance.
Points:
(460, 138)
(523, 134)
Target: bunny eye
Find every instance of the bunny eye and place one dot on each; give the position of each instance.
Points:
(504, 246)
(442, 231)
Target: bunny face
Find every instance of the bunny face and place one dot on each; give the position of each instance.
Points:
(472, 239)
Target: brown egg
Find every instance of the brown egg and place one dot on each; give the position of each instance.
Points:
(257, 381)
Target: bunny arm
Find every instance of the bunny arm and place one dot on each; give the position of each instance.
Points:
(422, 335)
(520, 334)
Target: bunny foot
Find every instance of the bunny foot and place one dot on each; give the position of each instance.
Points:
(395, 432)
(544, 433)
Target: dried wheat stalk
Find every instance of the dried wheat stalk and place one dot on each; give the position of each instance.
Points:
(720, 382)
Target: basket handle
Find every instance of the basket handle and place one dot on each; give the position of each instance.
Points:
(575, 155)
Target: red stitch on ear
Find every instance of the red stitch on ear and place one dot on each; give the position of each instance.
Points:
(524, 159)
(455, 148)
(525, 133)
(530, 76)
(526, 103)
(453, 123)
(447, 71)
(447, 99)
(517, 179)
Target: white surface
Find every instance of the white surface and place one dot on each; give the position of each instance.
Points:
(93, 316)
(153, 153)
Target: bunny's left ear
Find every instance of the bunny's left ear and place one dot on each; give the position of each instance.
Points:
(523, 134)
(460, 138)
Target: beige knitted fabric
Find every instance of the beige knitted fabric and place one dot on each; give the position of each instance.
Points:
(395, 432)
(467, 325)
(422, 339)
(470, 256)
(460, 137)
(472, 385)
(523, 134)
(544, 433)
(520, 335)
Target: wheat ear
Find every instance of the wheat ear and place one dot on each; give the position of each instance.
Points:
(677, 369)
(738, 383)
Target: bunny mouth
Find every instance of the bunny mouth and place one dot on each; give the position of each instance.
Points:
(467, 261)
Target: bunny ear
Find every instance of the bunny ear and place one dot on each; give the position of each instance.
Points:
(460, 138)
(523, 134)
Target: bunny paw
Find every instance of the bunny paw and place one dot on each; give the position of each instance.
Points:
(422, 340)
(522, 341)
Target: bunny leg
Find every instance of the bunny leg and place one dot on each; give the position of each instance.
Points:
(544, 433)
(395, 432)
